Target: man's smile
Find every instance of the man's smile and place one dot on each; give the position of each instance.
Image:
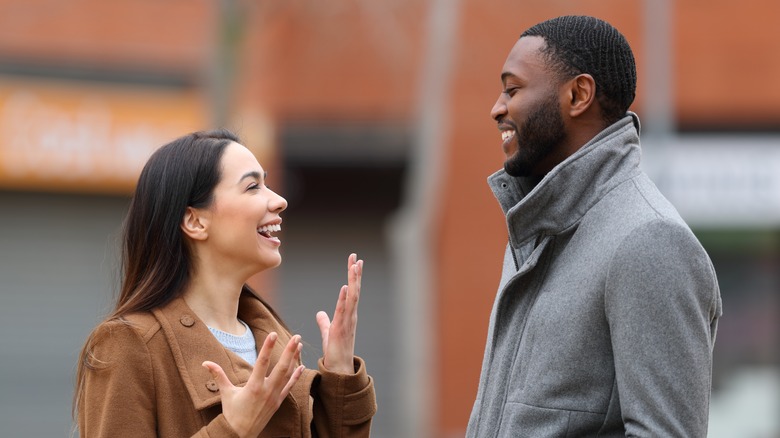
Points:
(508, 133)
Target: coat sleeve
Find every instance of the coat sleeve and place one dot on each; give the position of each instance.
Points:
(119, 397)
(217, 428)
(344, 404)
(662, 303)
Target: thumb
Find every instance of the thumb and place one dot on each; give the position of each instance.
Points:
(324, 323)
(218, 374)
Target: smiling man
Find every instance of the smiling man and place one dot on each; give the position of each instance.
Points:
(606, 312)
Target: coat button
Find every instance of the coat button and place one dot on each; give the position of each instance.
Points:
(187, 321)
(211, 385)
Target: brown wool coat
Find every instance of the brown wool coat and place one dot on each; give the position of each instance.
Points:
(149, 381)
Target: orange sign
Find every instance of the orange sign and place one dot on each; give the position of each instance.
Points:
(81, 137)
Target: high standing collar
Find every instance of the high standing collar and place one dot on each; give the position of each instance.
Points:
(570, 189)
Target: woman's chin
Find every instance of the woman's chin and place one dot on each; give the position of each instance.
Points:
(269, 262)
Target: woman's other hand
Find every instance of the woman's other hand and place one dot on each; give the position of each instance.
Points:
(248, 409)
(338, 336)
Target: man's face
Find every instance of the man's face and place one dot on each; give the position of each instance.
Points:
(528, 112)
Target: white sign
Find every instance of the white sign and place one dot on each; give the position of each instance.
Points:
(719, 181)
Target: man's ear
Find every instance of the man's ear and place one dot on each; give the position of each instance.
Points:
(581, 93)
(195, 223)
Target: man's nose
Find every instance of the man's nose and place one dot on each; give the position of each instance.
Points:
(499, 108)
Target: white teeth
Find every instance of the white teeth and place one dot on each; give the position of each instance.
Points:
(269, 228)
(505, 135)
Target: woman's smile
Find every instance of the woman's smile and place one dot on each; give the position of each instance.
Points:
(266, 232)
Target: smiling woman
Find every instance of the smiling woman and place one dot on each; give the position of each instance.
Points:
(190, 349)
(227, 232)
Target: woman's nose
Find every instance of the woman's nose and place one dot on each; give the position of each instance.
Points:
(277, 203)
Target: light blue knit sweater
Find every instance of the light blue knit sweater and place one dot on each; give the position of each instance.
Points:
(243, 345)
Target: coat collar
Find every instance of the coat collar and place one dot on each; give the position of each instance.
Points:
(191, 343)
(568, 191)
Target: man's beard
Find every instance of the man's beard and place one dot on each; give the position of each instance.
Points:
(542, 131)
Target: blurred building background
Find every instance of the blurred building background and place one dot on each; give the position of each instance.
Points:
(372, 118)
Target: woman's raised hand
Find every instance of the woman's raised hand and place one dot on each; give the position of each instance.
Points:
(248, 409)
(338, 336)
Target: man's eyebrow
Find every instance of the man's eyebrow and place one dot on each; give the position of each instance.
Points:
(253, 174)
(506, 75)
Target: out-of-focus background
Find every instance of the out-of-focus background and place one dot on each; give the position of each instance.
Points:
(372, 117)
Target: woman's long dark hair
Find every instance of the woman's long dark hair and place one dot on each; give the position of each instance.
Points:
(156, 258)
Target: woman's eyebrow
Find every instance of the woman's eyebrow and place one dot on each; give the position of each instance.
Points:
(253, 174)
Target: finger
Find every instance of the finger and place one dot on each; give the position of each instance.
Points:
(294, 363)
(279, 374)
(358, 279)
(296, 360)
(218, 375)
(291, 382)
(263, 359)
(353, 292)
(338, 314)
(351, 261)
(323, 322)
(358, 286)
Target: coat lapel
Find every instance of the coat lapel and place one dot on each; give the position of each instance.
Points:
(191, 343)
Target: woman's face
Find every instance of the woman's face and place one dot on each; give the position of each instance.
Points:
(244, 214)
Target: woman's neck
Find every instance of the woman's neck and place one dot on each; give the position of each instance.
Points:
(214, 299)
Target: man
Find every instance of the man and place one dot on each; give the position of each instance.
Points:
(607, 308)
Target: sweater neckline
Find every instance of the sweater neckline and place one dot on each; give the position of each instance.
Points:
(243, 342)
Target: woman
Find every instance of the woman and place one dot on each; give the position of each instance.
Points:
(190, 349)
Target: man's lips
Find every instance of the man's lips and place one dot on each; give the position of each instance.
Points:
(508, 133)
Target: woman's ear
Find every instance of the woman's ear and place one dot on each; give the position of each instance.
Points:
(582, 93)
(195, 223)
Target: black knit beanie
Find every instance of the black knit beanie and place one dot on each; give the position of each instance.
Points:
(580, 44)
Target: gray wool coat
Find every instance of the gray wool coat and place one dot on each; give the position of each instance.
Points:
(606, 313)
